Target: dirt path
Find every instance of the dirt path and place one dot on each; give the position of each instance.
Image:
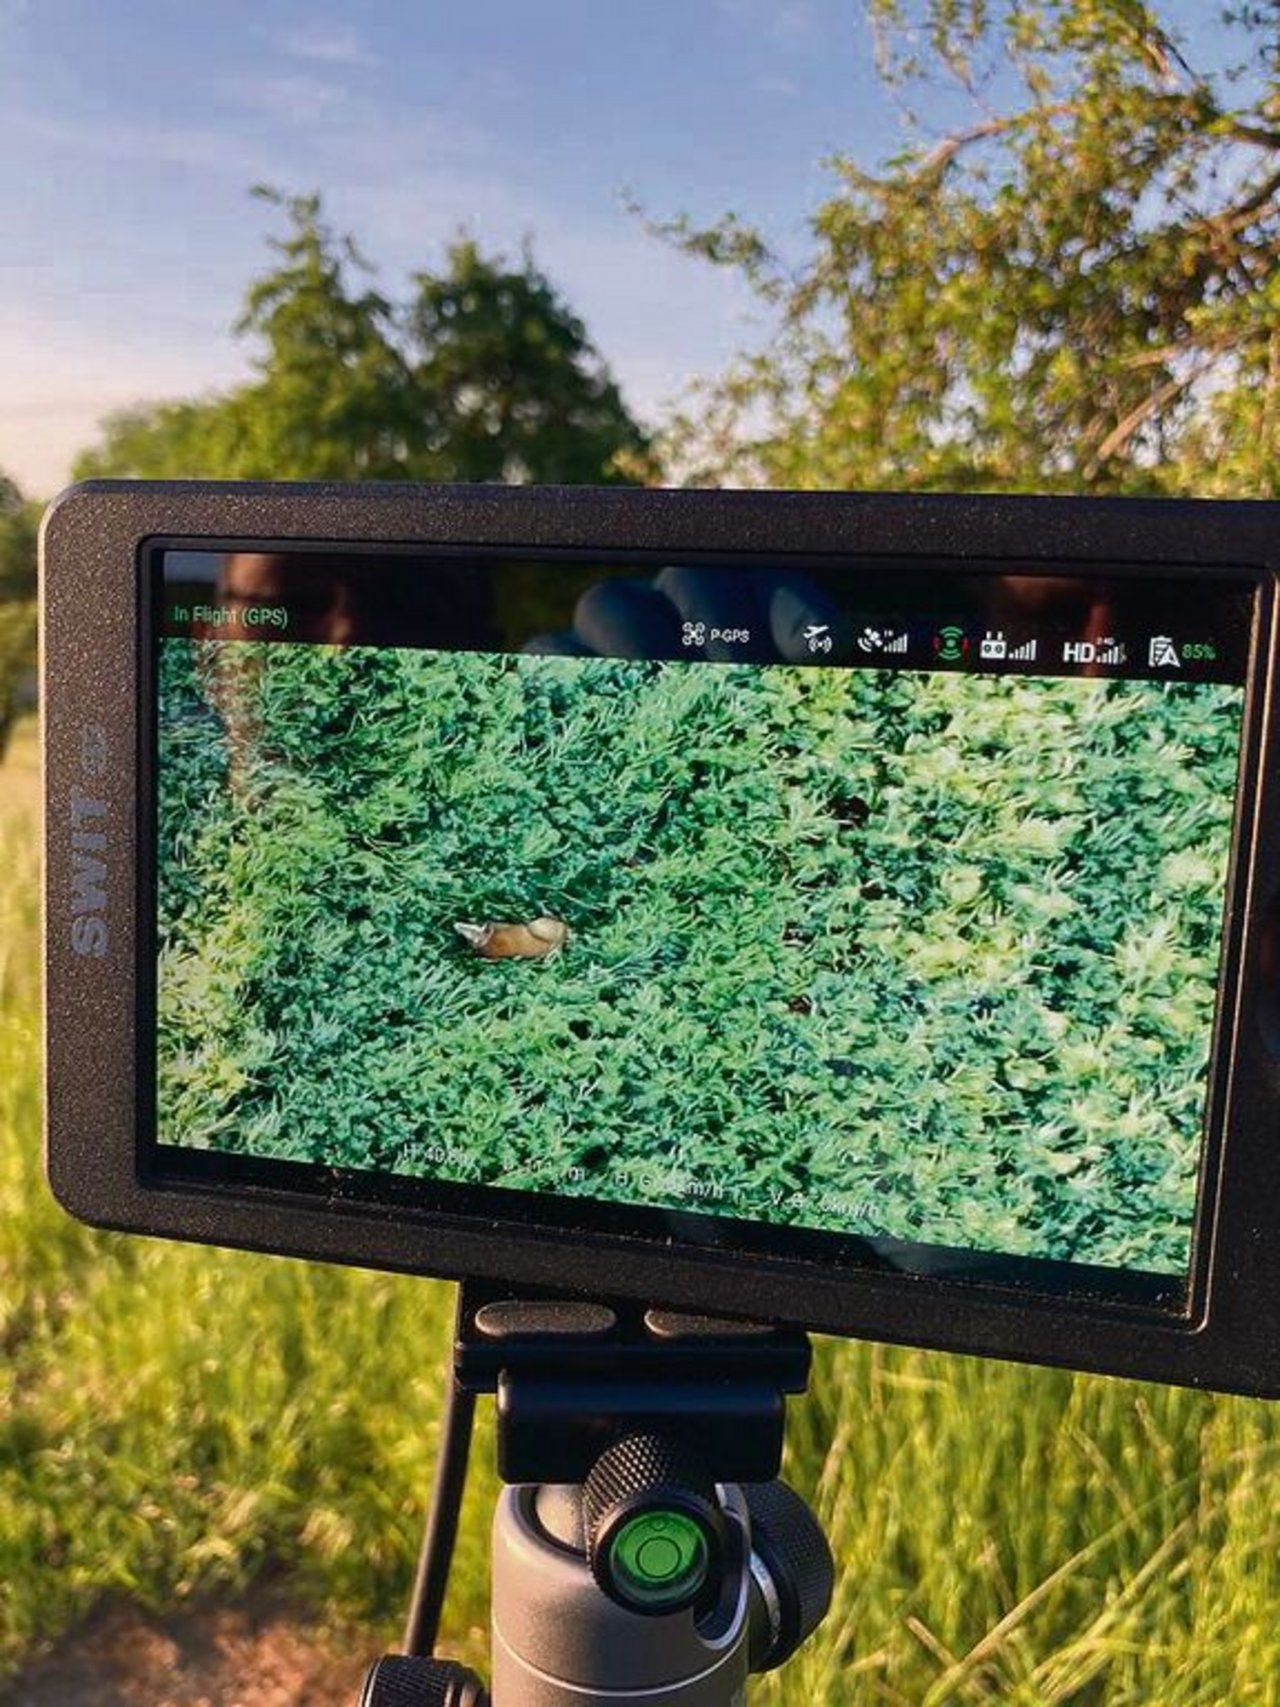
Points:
(213, 1657)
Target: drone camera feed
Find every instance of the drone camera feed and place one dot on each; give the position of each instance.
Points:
(878, 918)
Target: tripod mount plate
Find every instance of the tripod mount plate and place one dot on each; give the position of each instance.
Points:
(572, 1376)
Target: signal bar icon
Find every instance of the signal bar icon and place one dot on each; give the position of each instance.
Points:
(882, 640)
(1105, 651)
(995, 648)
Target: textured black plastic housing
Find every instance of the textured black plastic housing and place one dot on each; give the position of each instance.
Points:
(95, 727)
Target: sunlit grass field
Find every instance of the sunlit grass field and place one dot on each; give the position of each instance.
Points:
(176, 1423)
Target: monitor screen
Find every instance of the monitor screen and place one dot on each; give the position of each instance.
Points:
(865, 911)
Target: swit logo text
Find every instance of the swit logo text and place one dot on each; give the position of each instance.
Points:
(90, 933)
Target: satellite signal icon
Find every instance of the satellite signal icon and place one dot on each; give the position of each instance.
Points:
(882, 640)
(1026, 653)
(951, 644)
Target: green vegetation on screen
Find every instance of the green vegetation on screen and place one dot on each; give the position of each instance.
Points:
(924, 955)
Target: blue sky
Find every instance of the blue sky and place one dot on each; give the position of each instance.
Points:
(130, 134)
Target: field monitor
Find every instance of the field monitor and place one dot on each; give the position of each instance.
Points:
(854, 912)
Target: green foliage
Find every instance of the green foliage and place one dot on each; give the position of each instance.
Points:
(520, 393)
(485, 374)
(930, 956)
(1082, 296)
(17, 661)
(1075, 287)
(19, 522)
(1025, 1537)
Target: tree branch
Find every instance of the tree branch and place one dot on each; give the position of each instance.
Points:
(1253, 207)
(940, 156)
(1120, 435)
(1238, 131)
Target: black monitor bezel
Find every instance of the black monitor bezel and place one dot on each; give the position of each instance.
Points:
(101, 537)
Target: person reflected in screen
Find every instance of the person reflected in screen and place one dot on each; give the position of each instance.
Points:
(717, 614)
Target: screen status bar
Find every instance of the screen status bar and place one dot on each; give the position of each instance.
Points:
(1096, 624)
(952, 644)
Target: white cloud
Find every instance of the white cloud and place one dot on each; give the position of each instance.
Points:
(150, 144)
(795, 19)
(788, 21)
(297, 100)
(326, 43)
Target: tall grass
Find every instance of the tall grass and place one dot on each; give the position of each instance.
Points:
(1029, 1537)
(175, 1421)
(178, 1421)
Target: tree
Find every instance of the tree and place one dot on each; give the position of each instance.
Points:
(518, 390)
(19, 525)
(19, 522)
(485, 375)
(1076, 286)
